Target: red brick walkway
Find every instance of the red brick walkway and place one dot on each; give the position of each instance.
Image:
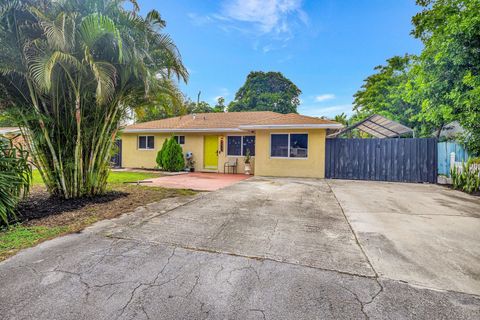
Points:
(198, 181)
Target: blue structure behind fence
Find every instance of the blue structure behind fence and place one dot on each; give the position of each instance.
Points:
(444, 150)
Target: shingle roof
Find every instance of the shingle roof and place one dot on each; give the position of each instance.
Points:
(230, 121)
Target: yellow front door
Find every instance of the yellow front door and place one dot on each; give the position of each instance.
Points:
(210, 152)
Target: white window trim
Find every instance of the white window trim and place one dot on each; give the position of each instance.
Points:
(290, 158)
(241, 144)
(178, 140)
(146, 143)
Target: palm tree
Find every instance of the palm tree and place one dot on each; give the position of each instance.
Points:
(69, 71)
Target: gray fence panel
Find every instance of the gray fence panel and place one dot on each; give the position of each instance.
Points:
(400, 160)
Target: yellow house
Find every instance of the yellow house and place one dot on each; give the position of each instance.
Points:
(279, 144)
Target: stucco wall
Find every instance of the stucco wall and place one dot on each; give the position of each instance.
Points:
(132, 157)
(262, 164)
(313, 166)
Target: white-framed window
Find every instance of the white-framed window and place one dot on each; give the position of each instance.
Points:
(146, 142)
(289, 145)
(180, 139)
(238, 145)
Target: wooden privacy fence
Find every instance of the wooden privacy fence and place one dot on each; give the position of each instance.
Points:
(401, 160)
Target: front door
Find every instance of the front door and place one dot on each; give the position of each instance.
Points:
(210, 152)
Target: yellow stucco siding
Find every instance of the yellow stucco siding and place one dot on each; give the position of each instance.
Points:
(262, 164)
(313, 166)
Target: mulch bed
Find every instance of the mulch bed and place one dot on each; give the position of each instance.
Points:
(42, 209)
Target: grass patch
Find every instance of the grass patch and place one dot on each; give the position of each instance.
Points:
(115, 177)
(44, 218)
(19, 237)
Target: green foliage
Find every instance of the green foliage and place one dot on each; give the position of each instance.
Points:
(448, 72)
(220, 106)
(467, 179)
(19, 237)
(247, 156)
(388, 92)
(171, 156)
(15, 178)
(439, 86)
(6, 120)
(166, 102)
(266, 91)
(199, 107)
(159, 158)
(78, 67)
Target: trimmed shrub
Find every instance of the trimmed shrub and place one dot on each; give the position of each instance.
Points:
(159, 154)
(15, 178)
(170, 157)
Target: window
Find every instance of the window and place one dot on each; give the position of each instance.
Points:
(180, 139)
(293, 145)
(234, 146)
(146, 142)
(238, 145)
(248, 144)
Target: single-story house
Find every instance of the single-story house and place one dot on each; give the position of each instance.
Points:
(280, 144)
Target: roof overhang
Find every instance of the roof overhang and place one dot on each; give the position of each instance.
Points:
(292, 126)
(198, 130)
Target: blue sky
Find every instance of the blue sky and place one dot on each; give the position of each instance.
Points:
(325, 47)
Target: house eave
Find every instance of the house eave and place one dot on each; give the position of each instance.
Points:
(293, 126)
(198, 130)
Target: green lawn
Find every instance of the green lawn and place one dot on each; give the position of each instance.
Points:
(115, 177)
(25, 235)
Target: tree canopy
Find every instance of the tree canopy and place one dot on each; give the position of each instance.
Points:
(440, 85)
(69, 71)
(266, 91)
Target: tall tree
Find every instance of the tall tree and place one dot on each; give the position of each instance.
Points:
(267, 91)
(387, 92)
(69, 70)
(448, 73)
(167, 101)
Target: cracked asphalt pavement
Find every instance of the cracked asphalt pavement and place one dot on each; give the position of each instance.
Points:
(265, 248)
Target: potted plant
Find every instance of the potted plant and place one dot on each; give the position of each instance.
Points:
(248, 167)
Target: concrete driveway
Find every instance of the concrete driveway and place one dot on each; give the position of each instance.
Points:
(264, 248)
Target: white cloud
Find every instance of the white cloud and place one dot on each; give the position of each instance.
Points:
(268, 15)
(324, 97)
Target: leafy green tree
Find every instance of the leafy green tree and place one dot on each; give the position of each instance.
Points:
(198, 107)
(220, 106)
(69, 71)
(15, 178)
(171, 156)
(448, 73)
(266, 91)
(341, 118)
(6, 120)
(166, 102)
(391, 93)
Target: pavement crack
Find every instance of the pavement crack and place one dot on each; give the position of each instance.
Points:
(260, 311)
(132, 294)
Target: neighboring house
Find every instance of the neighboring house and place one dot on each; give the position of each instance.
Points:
(450, 132)
(280, 144)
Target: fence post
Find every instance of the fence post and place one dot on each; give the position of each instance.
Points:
(452, 160)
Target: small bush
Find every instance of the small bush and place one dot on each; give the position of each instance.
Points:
(467, 179)
(170, 157)
(15, 179)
